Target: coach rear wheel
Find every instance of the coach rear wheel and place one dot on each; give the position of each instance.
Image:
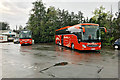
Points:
(22, 44)
(72, 46)
(57, 42)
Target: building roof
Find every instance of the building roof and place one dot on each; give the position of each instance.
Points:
(9, 33)
(2, 31)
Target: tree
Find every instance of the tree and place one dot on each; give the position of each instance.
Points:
(20, 27)
(50, 26)
(80, 17)
(37, 20)
(4, 26)
(43, 22)
(105, 19)
(116, 24)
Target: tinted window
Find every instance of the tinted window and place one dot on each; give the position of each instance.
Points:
(62, 32)
(91, 32)
(25, 34)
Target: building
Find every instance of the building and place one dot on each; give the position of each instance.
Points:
(2, 31)
(119, 6)
(9, 33)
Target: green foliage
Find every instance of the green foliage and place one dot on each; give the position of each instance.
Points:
(105, 19)
(4, 26)
(43, 22)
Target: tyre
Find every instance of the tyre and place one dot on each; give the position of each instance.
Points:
(72, 46)
(22, 44)
(57, 42)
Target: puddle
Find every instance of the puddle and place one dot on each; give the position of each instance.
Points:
(44, 47)
(57, 64)
(39, 54)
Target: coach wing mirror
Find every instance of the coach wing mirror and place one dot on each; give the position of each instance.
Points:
(105, 30)
(83, 29)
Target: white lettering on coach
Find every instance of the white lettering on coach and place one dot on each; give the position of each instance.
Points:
(66, 37)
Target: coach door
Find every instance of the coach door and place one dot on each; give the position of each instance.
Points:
(79, 36)
(62, 40)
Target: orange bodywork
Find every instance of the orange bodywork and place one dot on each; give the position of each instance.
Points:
(72, 39)
(68, 39)
(63, 28)
(25, 41)
(77, 26)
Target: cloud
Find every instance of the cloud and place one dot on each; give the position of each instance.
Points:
(80, 0)
(4, 9)
(16, 12)
(12, 8)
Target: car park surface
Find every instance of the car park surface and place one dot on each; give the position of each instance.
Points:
(26, 62)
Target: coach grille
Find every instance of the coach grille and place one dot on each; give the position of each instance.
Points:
(92, 45)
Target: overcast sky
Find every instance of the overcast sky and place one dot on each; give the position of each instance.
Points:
(16, 12)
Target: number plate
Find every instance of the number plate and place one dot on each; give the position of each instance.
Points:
(92, 48)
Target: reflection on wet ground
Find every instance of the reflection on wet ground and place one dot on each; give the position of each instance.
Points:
(77, 56)
(29, 60)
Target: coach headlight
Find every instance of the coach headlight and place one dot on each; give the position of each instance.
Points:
(84, 46)
(100, 45)
(79, 39)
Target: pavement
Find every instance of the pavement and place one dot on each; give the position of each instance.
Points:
(26, 62)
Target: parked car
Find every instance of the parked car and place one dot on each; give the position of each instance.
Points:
(16, 40)
(116, 44)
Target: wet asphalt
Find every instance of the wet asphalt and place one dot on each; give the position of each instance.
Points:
(18, 61)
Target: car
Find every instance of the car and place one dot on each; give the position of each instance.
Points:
(16, 40)
(116, 44)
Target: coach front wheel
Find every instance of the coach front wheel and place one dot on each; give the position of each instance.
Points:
(72, 46)
(57, 42)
